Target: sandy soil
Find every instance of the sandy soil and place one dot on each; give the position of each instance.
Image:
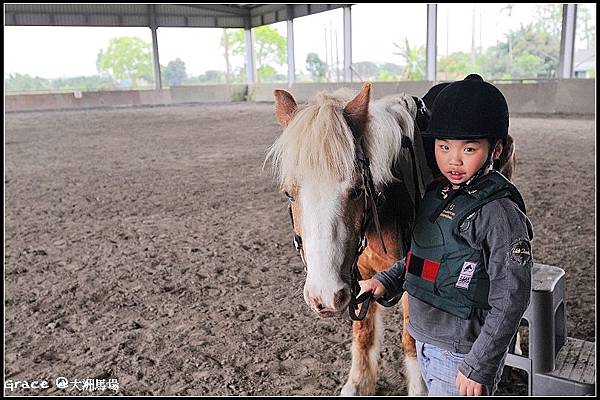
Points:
(146, 245)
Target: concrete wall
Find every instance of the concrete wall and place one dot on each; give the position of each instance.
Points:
(303, 91)
(208, 93)
(176, 95)
(26, 102)
(570, 96)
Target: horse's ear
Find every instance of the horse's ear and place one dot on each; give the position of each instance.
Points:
(357, 110)
(285, 106)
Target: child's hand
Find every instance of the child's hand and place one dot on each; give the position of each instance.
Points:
(467, 387)
(372, 285)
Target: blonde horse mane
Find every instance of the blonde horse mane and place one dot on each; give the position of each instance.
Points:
(319, 145)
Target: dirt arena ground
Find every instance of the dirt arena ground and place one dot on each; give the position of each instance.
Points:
(146, 245)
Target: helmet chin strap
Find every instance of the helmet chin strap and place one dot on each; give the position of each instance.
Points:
(489, 163)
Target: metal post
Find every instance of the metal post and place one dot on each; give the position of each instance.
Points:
(431, 41)
(156, 63)
(567, 41)
(290, 47)
(347, 44)
(250, 68)
(155, 59)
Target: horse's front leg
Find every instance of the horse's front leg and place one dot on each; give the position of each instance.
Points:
(412, 371)
(366, 345)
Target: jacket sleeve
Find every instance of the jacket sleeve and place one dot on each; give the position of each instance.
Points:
(504, 234)
(392, 279)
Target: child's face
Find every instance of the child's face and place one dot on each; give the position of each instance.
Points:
(459, 160)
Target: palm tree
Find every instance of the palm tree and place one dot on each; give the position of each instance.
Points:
(415, 61)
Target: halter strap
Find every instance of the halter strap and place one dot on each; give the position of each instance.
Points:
(370, 196)
(369, 190)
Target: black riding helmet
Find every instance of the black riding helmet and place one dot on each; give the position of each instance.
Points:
(471, 108)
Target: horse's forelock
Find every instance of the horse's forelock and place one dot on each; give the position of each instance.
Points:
(317, 144)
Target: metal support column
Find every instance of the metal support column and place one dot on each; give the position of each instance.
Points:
(155, 59)
(431, 42)
(567, 41)
(250, 66)
(347, 44)
(290, 46)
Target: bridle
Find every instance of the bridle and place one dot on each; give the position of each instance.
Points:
(371, 201)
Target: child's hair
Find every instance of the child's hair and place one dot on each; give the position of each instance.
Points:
(506, 162)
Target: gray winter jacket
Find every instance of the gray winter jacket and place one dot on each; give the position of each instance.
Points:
(504, 233)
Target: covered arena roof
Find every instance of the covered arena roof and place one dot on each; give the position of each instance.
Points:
(158, 15)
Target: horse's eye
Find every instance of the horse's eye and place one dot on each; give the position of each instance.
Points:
(355, 193)
(289, 196)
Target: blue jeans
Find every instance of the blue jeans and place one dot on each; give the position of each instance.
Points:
(439, 368)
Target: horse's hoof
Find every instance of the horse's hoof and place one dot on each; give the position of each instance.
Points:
(349, 390)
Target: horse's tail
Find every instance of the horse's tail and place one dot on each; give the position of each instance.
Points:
(507, 161)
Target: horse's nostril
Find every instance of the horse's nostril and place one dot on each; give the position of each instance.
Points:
(320, 306)
(340, 297)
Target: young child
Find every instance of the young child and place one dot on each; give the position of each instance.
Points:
(468, 272)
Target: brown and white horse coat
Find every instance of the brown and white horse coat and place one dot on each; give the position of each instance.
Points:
(314, 161)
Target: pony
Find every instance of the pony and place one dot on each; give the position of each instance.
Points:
(317, 163)
(354, 170)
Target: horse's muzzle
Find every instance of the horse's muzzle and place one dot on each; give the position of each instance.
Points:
(340, 303)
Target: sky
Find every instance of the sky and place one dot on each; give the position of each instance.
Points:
(53, 52)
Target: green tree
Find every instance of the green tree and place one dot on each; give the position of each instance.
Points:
(175, 73)
(531, 51)
(210, 77)
(316, 67)
(126, 59)
(23, 82)
(269, 49)
(540, 44)
(266, 73)
(528, 52)
(586, 27)
(393, 69)
(455, 66)
(367, 70)
(549, 19)
(225, 39)
(415, 61)
(385, 75)
(85, 83)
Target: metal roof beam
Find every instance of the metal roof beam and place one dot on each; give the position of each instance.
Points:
(220, 8)
(266, 8)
